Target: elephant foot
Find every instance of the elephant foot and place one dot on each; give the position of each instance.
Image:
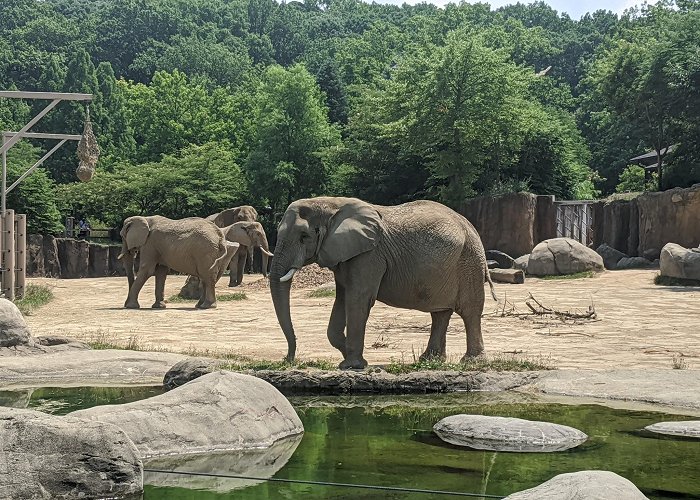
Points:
(233, 284)
(472, 356)
(206, 305)
(353, 364)
(159, 305)
(431, 355)
(131, 305)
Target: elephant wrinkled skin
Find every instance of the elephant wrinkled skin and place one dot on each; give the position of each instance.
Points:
(419, 255)
(192, 246)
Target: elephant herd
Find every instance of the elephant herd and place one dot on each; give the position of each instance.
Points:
(420, 255)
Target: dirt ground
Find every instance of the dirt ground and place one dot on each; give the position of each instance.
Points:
(638, 324)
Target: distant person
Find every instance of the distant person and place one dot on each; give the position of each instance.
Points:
(83, 229)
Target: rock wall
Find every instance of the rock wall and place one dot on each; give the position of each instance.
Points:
(68, 258)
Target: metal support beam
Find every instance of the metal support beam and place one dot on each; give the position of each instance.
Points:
(33, 167)
(29, 125)
(61, 96)
(37, 135)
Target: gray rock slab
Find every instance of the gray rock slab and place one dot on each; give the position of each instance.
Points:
(679, 262)
(634, 263)
(263, 463)
(677, 388)
(13, 328)
(484, 432)
(558, 256)
(611, 256)
(188, 369)
(688, 428)
(80, 367)
(504, 260)
(583, 485)
(45, 456)
(220, 411)
(521, 262)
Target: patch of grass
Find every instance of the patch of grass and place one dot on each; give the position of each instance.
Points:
(100, 340)
(575, 276)
(669, 281)
(679, 363)
(479, 364)
(322, 293)
(257, 365)
(35, 296)
(224, 297)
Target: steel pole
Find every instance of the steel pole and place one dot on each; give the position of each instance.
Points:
(7, 145)
(4, 179)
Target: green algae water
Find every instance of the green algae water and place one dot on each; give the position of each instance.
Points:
(388, 441)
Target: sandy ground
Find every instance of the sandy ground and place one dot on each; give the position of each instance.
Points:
(639, 325)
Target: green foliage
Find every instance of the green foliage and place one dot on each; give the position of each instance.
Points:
(322, 293)
(573, 276)
(35, 296)
(480, 364)
(632, 180)
(224, 297)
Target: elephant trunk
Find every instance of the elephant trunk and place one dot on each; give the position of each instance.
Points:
(266, 254)
(127, 259)
(280, 291)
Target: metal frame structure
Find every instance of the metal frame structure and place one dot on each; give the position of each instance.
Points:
(13, 241)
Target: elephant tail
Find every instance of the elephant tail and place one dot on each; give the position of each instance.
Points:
(488, 279)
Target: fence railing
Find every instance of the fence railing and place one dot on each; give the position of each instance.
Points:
(575, 220)
(13, 254)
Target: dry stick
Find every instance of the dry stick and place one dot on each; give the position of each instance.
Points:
(562, 314)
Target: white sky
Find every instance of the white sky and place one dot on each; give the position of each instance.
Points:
(575, 8)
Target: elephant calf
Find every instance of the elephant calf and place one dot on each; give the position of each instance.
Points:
(420, 255)
(248, 235)
(191, 246)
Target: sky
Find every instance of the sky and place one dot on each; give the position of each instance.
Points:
(575, 8)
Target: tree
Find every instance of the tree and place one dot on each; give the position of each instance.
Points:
(291, 133)
(330, 84)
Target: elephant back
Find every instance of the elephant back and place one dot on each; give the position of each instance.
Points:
(233, 215)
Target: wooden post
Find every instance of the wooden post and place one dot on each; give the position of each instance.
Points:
(21, 254)
(8, 254)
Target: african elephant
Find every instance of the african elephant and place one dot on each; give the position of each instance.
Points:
(231, 216)
(248, 235)
(419, 255)
(193, 246)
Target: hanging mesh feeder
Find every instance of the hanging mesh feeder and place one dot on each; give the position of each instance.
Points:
(88, 152)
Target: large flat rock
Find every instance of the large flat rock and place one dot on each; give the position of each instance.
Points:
(562, 256)
(220, 411)
(45, 456)
(482, 432)
(583, 485)
(687, 428)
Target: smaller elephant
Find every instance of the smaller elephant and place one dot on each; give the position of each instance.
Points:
(191, 246)
(231, 216)
(248, 235)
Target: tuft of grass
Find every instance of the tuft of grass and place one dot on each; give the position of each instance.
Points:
(265, 364)
(35, 296)
(575, 276)
(670, 281)
(479, 364)
(224, 297)
(322, 293)
(679, 363)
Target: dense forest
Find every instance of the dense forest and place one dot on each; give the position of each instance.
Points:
(205, 104)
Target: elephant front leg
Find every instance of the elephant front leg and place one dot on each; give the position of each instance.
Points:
(161, 274)
(145, 272)
(437, 344)
(357, 307)
(336, 325)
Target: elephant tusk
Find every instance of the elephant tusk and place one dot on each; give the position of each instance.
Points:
(269, 254)
(289, 275)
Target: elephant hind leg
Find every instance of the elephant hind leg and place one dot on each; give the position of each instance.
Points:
(437, 344)
(208, 295)
(475, 342)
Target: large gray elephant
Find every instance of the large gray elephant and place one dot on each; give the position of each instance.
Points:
(420, 255)
(248, 235)
(192, 246)
(238, 214)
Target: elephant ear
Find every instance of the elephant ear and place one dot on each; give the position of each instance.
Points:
(135, 232)
(352, 230)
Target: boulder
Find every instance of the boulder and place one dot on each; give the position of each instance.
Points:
(220, 411)
(74, 256)
(262, 463)
(98, 260)
(35, 255)
(504, 260)
(634, 263)
(562, 256)
(46, 456)
(688, 428)
(583, 485)
(13, 329)
(521, 262)
(52, 264)
(508, 276)
(187, 370)
(190, 290)
(679, 262)
(610, 255)
(482, 432)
